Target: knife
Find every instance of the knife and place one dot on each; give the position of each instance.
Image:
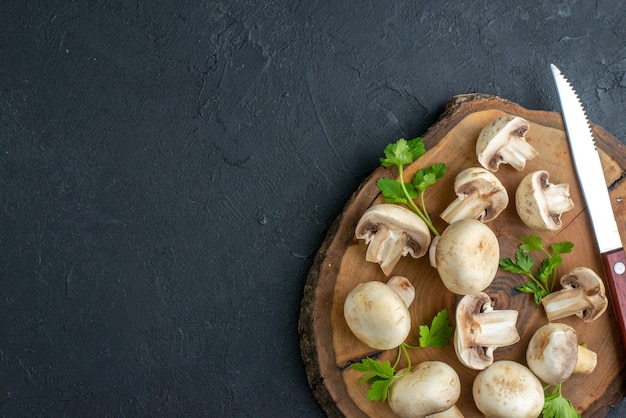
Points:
(593, 184)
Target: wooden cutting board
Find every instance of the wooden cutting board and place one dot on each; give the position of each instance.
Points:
(327, 345)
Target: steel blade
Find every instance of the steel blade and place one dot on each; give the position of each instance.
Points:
(588, 165)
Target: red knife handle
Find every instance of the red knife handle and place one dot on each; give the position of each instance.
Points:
(615, 269)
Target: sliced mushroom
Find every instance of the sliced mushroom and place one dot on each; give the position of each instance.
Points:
(377, 313)
(508, 389)
(392, 231)
(480, 195)
(503, 141)
(466, 256)
(553, 354)
(431, 387)
(480, 330)
(583, 295)
(540, 203)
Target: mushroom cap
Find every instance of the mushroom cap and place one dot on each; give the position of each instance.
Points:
(540, 203)
(475, 321)
(430, 387)
(377, 315)
(480, 195)
(552, 352)
(466, 256)
(586, 278)
(394, 231)
(503, 142)
(508, 389)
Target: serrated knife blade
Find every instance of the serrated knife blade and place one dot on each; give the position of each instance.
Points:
(593, 184)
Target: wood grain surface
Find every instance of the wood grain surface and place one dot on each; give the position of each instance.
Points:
(327, 345)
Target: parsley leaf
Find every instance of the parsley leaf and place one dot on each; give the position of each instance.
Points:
(556, 406)
(543, 279)
(438, 333)
(399, 154)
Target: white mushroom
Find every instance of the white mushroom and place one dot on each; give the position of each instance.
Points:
(392, 231)
(583, 295)
(553, 354)
(377, 313)
(466, 256)
(480, 195)
(503, 142)
(540, 203)
(480, 330)
(508, 389)
(431, 387)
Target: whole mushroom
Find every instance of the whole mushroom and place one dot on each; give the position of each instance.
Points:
(582, 294)
(392, 231)
(466, 256)
(377, 313)
(540, 203)
(553, 354)
(431, 387)
(480, 330)
(508, 389)
(480, 195)
(503, 141)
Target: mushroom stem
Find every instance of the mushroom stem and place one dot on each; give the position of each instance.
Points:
(496, 328)
(468, 206)
(403, 287)
(557, 197)
(516, 153)
(453, 412)
(385, 247)
(564, 303)
(586, 361)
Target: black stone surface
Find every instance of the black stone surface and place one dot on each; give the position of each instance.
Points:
(168, 170)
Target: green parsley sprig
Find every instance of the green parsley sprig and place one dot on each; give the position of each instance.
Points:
(399, 154)
(543, 279)
(556, 406)
(381, 375)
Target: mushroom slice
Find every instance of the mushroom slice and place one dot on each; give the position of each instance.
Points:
(540, 203)
(480, 195)
(480, 330)
(377, 313)
(503, 141)
(392, 231)
(508, 389)
(583, 295)
(553, 354)
(431, 387)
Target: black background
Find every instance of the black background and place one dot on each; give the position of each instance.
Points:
(168, 170)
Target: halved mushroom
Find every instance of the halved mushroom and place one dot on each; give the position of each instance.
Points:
(466, 256)
(480, 330)
(508, 389)
(377, 313)
(480, 195)
(583, 295)
(503, 141)
(540, 203)
(431, 387)
(392, 231)
(553, 354)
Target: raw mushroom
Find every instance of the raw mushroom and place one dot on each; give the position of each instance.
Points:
(480, 330)
(453, 412)
(466, 256)
(553, 354)
(429, 388)
(508, 389)
(377, 313)
(392, 231)
(503, 142)
(540, 203)
(583, 295)
(480, 195)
